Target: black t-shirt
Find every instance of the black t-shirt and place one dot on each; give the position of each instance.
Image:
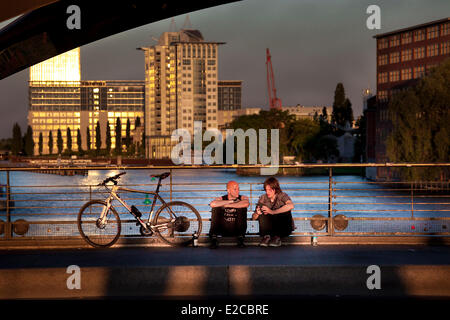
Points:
(230, 214)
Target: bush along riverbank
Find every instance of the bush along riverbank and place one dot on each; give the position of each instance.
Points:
(304, 171)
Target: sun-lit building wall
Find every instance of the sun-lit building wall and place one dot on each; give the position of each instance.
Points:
(64, 67)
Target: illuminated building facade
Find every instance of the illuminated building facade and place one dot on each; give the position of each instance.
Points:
(66, 102)
(181, 74)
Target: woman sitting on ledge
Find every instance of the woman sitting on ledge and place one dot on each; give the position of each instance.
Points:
(273, 213)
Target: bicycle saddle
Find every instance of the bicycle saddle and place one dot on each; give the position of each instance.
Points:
(162, 176)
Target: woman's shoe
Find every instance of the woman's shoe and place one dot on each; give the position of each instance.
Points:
(275, 242)
(265, 241)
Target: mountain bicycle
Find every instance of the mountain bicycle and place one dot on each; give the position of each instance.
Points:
(176, 223)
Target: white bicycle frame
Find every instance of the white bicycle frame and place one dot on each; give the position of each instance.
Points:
(114, 196)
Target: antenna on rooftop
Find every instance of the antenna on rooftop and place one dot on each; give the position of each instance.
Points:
(173, 26)
(187, 23)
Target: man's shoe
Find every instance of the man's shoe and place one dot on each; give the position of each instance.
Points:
(265, 241)
(214, 243)
(241, 243)
(275, 242)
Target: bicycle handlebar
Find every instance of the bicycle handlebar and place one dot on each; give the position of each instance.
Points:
(111, 179)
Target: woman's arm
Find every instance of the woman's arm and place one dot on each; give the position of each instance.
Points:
(287, 207)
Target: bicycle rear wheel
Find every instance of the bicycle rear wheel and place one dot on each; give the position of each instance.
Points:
(93, 230)
(176, 222)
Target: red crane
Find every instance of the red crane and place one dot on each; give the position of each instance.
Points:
(274, 101)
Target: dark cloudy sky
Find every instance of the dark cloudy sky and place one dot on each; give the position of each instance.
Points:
(314, 45)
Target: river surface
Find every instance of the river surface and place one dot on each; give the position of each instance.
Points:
(40, 197)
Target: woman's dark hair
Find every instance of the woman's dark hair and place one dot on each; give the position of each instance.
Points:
(273, 183)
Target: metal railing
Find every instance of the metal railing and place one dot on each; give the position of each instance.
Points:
(324, 205)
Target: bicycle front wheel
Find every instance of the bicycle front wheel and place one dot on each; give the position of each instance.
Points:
(176, 222)
(96, 231)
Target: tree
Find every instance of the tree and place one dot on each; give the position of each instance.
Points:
(98, 138)
(50, 142)
(29, 143)
(128, 135)
(421, 125)
(137, 123)
(79, 144)
(108, 138)
(118, 132)
(69, 140)
(59, 141)
(342, 108)
(41, 143)
(17, 140)
(88, 139)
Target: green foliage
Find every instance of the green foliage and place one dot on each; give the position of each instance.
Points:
(79, 142)
(16, 147)
(108, 138)
(29, 143)
(342, 107)
(41, 143)
(50, 142)
(303, 138)
(98, 138)
(128, 135)
(69, 140)
(421, 124)
(118, 131)
(59, 142)
(88, 139)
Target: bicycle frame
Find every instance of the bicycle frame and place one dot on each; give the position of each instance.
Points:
(114, 196)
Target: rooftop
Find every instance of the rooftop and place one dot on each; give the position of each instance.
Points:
(427, 24)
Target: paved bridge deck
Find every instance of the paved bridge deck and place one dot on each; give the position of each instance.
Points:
(155, 272)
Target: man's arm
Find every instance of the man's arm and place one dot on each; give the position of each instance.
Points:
(218, 202)
(244, 203)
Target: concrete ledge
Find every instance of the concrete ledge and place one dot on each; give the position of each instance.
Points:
(77, 242)
(231, 281)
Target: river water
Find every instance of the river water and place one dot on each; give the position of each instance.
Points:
(52, 197)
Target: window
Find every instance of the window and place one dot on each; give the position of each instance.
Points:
(406, 37)
(419, 35)
(394, 57)
(406, 74)
(445, 47)
(383, 43)
(382, 77)
(419, 53)
(394, 41)
(406, 55)
(433, 50)
(394, 76)
(382, 95)
(432, 32)
(445, 29)
(419, 72)
(382, 59)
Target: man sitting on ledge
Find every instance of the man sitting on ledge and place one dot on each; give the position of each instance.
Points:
(229, 215)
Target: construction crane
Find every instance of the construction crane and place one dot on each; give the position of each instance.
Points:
(274, 101)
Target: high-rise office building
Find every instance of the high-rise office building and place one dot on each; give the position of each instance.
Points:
(403, 56)
(229, 94)
(181, 74)
(59, 100)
